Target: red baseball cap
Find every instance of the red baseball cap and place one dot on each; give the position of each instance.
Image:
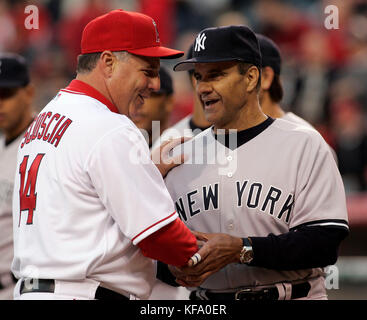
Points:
(121, 30)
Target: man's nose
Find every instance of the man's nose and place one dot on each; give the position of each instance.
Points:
(155, 84)
(203, 87)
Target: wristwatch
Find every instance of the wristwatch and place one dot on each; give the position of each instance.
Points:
(246, 255)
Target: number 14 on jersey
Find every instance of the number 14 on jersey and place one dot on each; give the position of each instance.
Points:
(27, 194)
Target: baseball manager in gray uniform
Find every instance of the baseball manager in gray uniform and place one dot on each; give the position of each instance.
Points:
(269, 197)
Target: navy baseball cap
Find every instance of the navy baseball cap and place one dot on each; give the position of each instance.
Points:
(270, 53)
(166, 82)
(13, 71)
(189, 56)
(190, 52)
(228, 43)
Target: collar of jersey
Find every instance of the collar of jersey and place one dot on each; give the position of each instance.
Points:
(243, 136)
(80, 87)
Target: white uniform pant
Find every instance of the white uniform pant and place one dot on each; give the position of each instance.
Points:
(162, 291)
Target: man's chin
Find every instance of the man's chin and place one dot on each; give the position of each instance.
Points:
(211, 117)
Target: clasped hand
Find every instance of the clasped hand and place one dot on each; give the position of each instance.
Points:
(216, 251)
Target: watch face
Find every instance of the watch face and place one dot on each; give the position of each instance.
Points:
(246, 255)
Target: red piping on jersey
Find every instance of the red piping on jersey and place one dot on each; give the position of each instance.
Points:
(153, 225)
(80, 87)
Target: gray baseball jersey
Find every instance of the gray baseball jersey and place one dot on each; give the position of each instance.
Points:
(282, 178)
(8, 161)
(290, 116)
(180, 129)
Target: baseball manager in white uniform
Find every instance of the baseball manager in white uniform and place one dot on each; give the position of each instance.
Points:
(89, 207)
(268, 195)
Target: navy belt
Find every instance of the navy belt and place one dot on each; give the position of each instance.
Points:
(299, 290)
(48, 285)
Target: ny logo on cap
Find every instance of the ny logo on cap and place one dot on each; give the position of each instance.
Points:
(200, 41)
(156, 32)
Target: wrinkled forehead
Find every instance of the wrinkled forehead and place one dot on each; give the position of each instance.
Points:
(210, 67)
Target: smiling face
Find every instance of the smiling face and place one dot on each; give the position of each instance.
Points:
(222, 91)
(132, 80)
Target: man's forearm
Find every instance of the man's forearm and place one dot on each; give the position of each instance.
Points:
(307, 247)
(173, 244)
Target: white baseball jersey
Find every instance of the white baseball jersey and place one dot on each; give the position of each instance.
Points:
(86, 192)
(282, 178)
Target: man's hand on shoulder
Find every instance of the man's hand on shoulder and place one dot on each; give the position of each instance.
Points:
(162, 158)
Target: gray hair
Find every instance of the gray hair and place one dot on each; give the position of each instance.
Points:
(88, 61)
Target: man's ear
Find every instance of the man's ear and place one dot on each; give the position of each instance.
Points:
(107, 63)
(267, 76)
(252, 77)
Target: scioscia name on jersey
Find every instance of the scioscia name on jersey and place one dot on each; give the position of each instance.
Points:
(41, 128)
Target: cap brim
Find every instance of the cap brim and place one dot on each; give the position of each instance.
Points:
(190, 63)
(161, 52)
(12, 84)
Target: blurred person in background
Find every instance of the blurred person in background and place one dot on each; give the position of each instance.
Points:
(163, 11)
(7, 27)
(72, 24)
(282, 22)
(34, 30)
(348, 101)
(271, 92)
(16, 96)
(311, 100)
(157, 107)
(349, 128)
(192, 124)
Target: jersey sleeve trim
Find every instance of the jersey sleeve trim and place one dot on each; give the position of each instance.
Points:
(324, 223)
(154, 227)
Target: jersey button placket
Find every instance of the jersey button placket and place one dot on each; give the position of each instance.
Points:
(230, 225)
(229, 159)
